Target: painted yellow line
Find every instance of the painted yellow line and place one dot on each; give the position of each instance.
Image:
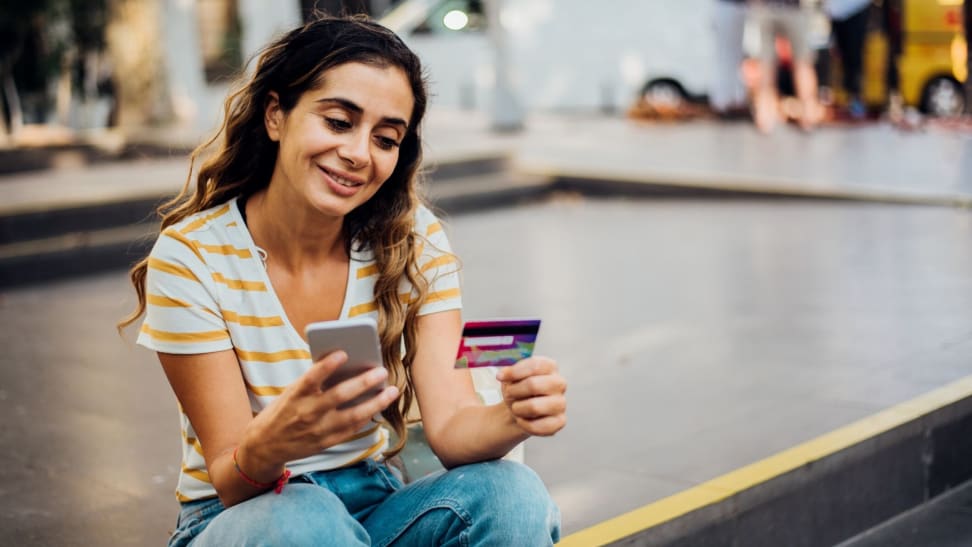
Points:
(764, 470)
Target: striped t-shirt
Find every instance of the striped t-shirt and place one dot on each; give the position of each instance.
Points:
(207, 290)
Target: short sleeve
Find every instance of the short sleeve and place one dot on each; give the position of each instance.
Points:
(182, 313)
(439, 265)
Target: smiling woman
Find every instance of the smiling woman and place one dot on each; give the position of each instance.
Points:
(309, 211)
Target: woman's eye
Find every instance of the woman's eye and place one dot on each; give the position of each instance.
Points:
(386, 143)
(338, 124)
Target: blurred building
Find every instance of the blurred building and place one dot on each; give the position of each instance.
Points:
(139, 63)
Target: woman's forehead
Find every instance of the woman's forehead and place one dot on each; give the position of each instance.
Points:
(370, 86)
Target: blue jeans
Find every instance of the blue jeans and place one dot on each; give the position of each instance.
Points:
(491, 503)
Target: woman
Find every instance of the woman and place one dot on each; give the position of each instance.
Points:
(309, 211)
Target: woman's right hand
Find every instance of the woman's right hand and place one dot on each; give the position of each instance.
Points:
(306, 417)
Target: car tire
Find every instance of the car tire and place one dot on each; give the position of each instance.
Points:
(943, 96)
(664, 92)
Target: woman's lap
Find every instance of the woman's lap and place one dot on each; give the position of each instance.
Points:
(490, 503)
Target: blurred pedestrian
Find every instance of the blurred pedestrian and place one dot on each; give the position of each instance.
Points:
(891, 22)
(728, 97)
(967, 25)
(308, 210)
(849, 21)
(790, 20)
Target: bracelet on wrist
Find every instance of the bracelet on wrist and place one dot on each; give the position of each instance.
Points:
(277, 484)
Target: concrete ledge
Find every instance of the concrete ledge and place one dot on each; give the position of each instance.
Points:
(661, 185)
(818, 493)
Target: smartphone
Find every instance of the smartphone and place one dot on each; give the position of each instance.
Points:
(496, 342)
(358, 337)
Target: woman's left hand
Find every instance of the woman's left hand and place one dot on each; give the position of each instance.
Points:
(533, 390)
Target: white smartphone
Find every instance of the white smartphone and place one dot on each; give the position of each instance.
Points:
(358, 337)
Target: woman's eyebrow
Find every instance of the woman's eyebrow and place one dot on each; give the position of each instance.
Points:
(351, 106)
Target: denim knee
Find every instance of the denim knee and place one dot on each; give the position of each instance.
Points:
(302, 514)
(512, 498)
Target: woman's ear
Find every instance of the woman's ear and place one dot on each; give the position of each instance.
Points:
(273, 116)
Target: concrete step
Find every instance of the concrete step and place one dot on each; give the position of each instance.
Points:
(41, 243)
(945, 521)
(822, 492)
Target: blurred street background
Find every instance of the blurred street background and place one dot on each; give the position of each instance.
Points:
(716, 288)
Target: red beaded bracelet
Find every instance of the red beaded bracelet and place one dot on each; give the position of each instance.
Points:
(278, 484)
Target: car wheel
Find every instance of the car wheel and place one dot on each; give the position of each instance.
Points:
(943, 96)
(664, 93)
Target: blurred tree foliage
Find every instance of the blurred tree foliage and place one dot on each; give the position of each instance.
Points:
(39, 40)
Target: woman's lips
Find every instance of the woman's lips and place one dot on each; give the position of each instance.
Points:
(341, 184)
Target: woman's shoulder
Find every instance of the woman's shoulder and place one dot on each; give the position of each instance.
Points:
(209, 226)
(217, 216)
(426, 222)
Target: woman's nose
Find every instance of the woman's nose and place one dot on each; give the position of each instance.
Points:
(355, 150)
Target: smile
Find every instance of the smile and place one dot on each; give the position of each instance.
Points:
(342, 180)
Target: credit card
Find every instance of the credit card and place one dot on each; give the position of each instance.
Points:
(496, 343)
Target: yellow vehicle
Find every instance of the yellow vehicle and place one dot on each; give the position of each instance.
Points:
(932, 60)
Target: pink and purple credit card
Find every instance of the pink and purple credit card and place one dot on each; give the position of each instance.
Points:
(496, 343)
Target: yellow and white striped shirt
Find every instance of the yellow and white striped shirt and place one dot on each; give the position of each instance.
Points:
(207, 290)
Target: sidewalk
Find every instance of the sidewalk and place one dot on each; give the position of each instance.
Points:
(873, 162)
(728, 332)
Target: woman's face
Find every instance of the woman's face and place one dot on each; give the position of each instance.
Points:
(340, 142)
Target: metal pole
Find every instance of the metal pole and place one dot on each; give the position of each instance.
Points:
(507, 112)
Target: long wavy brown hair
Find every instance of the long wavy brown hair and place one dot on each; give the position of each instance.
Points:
(243, 160)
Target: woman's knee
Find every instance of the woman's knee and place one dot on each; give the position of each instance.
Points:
(302, 514)
(509, 493)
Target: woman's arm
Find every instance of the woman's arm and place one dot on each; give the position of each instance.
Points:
(302, 421)
(460, 429)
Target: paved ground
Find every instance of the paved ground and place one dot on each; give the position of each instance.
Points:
(698, 335)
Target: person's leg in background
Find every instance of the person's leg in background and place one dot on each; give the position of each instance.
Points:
(766, 101)
(796, 25)
(850, 34)
(891, 19)
(728, 96)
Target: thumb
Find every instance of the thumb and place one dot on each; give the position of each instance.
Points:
(312, 380)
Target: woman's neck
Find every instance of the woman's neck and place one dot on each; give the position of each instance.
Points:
(293, 234)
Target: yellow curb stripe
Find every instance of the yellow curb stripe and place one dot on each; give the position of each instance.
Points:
(769, 468)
